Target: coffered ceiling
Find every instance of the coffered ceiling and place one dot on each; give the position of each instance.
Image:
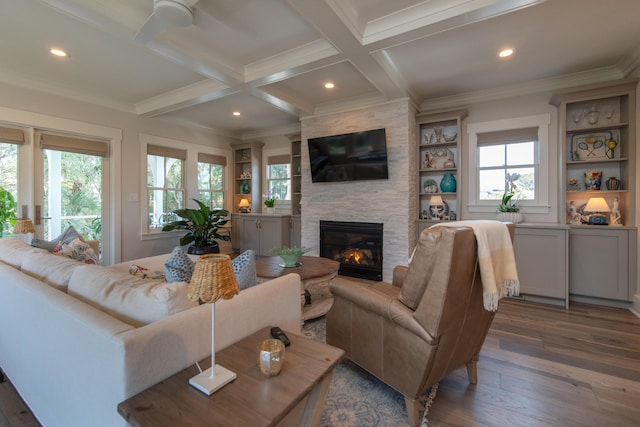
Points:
(269, 59)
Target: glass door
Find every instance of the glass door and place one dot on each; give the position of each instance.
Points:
(70, 192)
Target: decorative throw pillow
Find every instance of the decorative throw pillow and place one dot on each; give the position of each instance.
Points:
(67, 236)
(77, 249)
(178, 267)
(244, 268)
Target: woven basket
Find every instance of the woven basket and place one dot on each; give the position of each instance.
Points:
(213, 279)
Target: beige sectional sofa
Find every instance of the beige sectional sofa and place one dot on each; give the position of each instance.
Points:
(76, 339)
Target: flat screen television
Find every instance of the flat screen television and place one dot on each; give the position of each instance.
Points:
(349, 157)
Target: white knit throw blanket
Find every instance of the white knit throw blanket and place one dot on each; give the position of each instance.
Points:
(495, 256)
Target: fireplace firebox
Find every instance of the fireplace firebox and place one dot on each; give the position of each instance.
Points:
(356, 245)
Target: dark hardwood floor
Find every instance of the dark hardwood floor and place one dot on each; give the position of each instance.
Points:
(540, 366)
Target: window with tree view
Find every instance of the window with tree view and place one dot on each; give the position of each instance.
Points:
(211, 180)
(165, 183)
(279, 177)
(508, 163)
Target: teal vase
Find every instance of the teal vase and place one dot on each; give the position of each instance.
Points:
(448, 183)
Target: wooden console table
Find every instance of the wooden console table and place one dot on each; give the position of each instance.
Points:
(315, 274)
(296, 396)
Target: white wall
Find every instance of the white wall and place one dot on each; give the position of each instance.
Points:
(383, 201)
(131, 125)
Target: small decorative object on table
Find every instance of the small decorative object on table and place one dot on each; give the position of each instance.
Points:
(596, 211)
(611, 145)
(613, 183)
(508, 211)
(430, 186)
(270, 356)
(448, 183)
(616, 218)
(269, 203)
(290, 255)
(574, 185)
(592, 180)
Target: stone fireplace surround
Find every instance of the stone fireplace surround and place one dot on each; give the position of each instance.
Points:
(390, 202)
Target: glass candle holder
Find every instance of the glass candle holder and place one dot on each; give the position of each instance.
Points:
(270, 356)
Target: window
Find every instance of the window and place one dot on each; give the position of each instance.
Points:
(507, 163)
(511, 155)
(165, 183)
(279, 177)
(211, 180)
(9, 140)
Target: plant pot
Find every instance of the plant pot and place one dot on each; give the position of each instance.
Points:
(211, 249)
(514, 217)
(270, 211)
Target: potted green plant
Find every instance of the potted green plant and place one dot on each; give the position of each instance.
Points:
(270, 202)
(8, 208)
(508, 209)
(202, 225)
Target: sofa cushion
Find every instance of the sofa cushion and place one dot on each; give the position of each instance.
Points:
(178, 267)
(244, 268)
(53, 270)
(132, 299)
(14, 251)
(67, 236)
(420, 269)
(78, 250)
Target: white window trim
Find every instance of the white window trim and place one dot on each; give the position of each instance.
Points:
(542, 122)
(190, 170)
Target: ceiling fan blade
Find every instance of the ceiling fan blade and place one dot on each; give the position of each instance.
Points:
(150, 29)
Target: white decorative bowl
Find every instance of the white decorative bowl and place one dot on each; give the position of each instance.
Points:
(514, 217)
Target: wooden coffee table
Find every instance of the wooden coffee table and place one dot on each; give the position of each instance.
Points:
(315, 275)
(296, 396)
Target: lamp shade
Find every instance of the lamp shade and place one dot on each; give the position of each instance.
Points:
(435, 201)
(597, 204)
(213, 279)
(24, 226)
(244, 203)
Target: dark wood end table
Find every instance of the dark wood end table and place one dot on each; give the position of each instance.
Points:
(296, 396)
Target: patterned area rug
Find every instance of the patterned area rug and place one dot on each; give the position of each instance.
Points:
(357, 398)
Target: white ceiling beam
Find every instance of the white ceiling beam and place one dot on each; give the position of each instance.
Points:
(322, 17)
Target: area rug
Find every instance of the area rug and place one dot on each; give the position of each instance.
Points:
(357, 398)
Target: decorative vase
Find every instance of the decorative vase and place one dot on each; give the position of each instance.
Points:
(448, 183)
(592, 180)
(613, 183)
(514, 217)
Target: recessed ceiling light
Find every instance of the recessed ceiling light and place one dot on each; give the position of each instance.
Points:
(236, 113)
(329, 85)
(58, 52)
(506, 53)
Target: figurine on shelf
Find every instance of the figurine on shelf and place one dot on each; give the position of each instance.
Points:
(428, 161)
(615, 212)
(574, 215)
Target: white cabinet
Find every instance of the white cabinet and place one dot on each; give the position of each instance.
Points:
(541, 258)
(600, 261)
(262, 233)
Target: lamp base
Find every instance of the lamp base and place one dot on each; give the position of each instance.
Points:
(209, 385)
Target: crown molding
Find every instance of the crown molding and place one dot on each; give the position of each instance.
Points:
(544, 85)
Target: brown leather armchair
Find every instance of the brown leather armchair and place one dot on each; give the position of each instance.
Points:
(428, 322)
